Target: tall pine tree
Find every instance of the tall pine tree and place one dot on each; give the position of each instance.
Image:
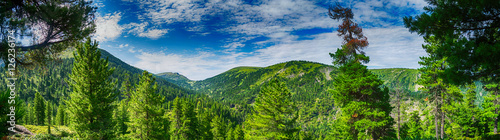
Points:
(61, 113)
(91, 102)
(39, 109)
(365, 106)
(275, 115)
(146, 107)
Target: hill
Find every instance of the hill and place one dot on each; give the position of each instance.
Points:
(52, 78)
(244, 82)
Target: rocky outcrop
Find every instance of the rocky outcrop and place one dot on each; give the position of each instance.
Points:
(19, 129)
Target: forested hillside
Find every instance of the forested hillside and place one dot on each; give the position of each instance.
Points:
(51, 80)
(68, 88)
(301, 76)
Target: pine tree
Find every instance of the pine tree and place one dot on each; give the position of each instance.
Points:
(230, 134)
(61, 113)
(238, 133)
(146, 107)
(189, 129)
(39, 109)
(414, 125)
(439, 91)
(365, 108)
(492, 103)
(175, 126)
(91, 102)
(275, 115)
(218, 128)
(121, 116)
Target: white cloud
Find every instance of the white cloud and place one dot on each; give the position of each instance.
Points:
(131, 49)
(141, 30)
(107, 27)
(122, 46)
(153, 33)
(394, 47)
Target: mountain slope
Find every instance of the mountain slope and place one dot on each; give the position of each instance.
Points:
(301, 76)
(51, 80)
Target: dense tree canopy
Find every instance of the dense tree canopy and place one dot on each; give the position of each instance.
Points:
(91, 101)
(274, 115)
(468, 33)
(52, 24)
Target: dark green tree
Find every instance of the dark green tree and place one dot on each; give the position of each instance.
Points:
(189, 129)
(91, 102)
(146, 107)
(238, 133)
(61, 114)
(218, 128)
(39, 109)
(121, 117)
(492, 104)
(365, 108)
(275, 115)
(54, 23)
(176, 125)
(469, 36)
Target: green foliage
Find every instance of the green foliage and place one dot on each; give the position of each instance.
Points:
(49, 116)
(274, 115)
(218, 128)
(40, 109)
(122, 117)
(61, 114)
(469, 36)
(65, 22)
(146, 107)
(6, 102)
(365, 106)
(91, 102)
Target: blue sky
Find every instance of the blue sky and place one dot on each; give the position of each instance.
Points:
(203, 38)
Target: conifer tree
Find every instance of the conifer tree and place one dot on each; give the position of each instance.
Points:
(205, 119)
(218, 128)
(238, 133)
(61, 113)
(176, 125)
(146, 107)
(189, 129)
(91, 102)
(492, 104)
(39, 109)
(121, 116)
(439, 91)
(30, 116)
(230, 134)
(275, 115)
(365, 106)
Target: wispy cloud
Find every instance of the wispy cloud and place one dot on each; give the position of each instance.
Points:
(388, 48)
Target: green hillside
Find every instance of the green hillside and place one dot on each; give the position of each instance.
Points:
(51, 80)
(308, 81)
(302, 76)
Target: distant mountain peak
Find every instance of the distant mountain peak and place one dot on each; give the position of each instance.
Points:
(173, 76)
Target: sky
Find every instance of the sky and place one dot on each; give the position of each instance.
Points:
(202, 38)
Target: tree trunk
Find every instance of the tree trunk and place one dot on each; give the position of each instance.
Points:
(436, 117)
(442, 124)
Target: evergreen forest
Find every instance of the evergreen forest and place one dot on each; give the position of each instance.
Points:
(72, 89)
